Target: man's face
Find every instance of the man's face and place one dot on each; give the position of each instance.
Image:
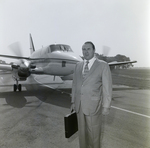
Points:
(88, 51)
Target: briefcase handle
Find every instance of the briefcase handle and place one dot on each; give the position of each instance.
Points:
(72, 108)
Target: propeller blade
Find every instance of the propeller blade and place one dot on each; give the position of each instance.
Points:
(16, 48)
(106, 50)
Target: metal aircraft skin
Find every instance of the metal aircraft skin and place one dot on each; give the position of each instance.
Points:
(55, 59)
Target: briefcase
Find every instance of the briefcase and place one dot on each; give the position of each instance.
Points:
(71, 124)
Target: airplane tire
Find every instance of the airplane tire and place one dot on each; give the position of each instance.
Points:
(15, 87)
(19, 87)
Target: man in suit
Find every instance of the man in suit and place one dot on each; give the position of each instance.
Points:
(91, 96)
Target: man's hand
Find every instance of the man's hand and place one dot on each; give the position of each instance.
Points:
(72, 107)
(105, 111)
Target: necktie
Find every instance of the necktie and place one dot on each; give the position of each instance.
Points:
(86, 69)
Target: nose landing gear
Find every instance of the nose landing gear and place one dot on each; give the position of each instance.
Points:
(17, 86)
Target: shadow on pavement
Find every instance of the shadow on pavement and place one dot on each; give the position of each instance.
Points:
(55, 97)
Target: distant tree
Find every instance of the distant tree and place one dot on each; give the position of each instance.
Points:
(121, 58)
(117, 58)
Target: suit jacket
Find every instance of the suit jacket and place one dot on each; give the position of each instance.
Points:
(95, 90)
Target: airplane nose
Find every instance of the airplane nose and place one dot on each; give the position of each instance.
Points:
(66, 56)
(75, 57)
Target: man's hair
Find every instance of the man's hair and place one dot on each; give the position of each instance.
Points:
(89, 42)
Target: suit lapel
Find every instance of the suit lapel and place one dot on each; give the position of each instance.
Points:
(80, 71)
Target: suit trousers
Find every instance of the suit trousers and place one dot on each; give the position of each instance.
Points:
(89, 129)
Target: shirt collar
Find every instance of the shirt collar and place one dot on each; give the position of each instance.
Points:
(91, 60)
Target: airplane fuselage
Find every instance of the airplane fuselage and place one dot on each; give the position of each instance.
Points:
(54, 60)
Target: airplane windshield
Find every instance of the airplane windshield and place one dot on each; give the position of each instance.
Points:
(60, 47)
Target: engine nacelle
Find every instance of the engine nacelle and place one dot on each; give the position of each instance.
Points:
(32, 66)
(68, 77)
(15, 66)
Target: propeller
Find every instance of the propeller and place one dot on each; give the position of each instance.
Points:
(24, 65)
(20, 68)
(16, 48)
(106, 50)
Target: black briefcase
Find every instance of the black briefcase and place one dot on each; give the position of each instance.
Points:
(71, 124)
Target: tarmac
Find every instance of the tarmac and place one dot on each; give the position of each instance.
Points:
(35, 117)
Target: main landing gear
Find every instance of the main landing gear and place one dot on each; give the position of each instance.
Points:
(17, 86)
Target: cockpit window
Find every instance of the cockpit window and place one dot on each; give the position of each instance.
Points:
(64, 48)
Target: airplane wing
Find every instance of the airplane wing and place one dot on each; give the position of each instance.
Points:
(13, 57)
(121, 63)
(34, 59)
(18, 57)
(32, 69)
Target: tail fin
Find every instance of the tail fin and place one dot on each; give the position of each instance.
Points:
(32, 49)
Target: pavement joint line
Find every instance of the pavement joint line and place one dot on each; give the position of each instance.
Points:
(131, 112)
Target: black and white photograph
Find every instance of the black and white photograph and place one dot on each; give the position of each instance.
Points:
(74, 74)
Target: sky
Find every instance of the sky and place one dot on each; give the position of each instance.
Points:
(121, 25)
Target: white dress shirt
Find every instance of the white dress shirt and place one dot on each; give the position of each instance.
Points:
(90, 63)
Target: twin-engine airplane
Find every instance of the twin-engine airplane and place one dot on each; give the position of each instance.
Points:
(55, 59)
